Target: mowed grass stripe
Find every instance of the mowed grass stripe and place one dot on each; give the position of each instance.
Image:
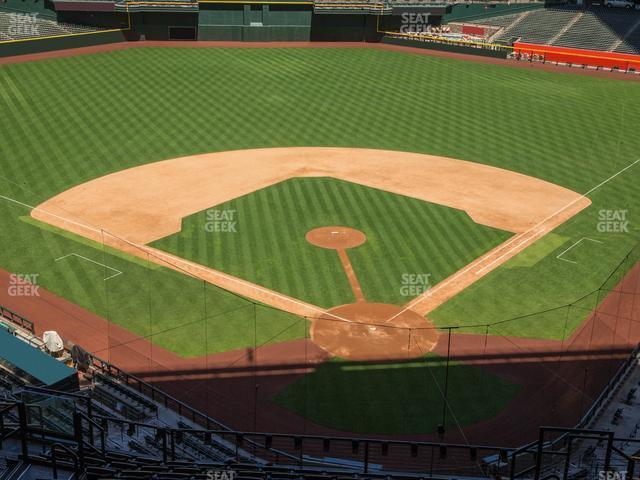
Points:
(138, 119)
(276, 255)
(311, 260)
(377, 273)
(326, 263)
(383, 220)
(326, 214)
(283, 234)
(366, 263)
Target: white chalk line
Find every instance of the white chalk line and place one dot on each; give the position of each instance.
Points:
(118, 272)
(149, 251)
(441, 285)
(570, 204)
(559, 257)
(324, 312)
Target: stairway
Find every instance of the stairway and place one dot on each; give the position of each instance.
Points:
(573, 21)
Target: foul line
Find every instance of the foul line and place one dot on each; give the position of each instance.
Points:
(420, 299)
(559, 257)
(539, 224)
(158, 254)
(313, 307)
(118, 272)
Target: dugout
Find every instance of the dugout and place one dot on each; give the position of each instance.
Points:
(33, 365)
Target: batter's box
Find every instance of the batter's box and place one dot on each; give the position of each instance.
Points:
(566, 256)
(111, 272)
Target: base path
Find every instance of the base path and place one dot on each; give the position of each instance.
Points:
(133, 207)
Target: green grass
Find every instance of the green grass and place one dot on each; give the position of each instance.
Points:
(174, 311)
(396, 398)
(69, 120)
(404, 236)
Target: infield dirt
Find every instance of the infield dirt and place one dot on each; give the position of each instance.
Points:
(130, 208)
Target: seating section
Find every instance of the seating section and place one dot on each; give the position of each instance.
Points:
(631, 43)
(539, 26)
(500, 21)
(20, 26)
(131, 467)
(121, 399)
(598, 28)
(9, 381)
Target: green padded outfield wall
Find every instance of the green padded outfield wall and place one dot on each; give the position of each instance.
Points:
(157, 25)
(63, 43)
(281, 22)
(254, 22)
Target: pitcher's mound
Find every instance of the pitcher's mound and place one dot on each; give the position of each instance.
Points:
(336, 238)
(362, 331)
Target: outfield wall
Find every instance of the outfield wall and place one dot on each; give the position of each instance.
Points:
(447, 47)
(576, 56)
(40, 45)
(281, 22)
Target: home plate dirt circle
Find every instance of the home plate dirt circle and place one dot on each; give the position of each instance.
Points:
(361, 331)
(336, 238)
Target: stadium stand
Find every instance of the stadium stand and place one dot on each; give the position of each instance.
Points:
(18, 26)
(597, 28)
(538, 26)
(630, 43)
(116, 426)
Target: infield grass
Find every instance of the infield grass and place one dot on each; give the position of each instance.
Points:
(268, 246)
(398, 397)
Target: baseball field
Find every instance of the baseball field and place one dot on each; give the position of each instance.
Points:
(355, 239)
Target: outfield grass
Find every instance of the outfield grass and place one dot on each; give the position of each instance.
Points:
(69, 120)
(404, 236)
(396, 398)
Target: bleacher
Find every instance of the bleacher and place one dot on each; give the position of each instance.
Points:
(537, 26)
(631, 41)
(18, 26)
(48, 434)
(598, 28)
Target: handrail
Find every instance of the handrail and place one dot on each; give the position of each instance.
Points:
(52, 392)
(620, 373)
(106, 367)
(93, 423)
(16, 318)
(54, 461)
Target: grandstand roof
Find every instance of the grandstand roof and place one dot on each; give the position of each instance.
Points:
(31, 361)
